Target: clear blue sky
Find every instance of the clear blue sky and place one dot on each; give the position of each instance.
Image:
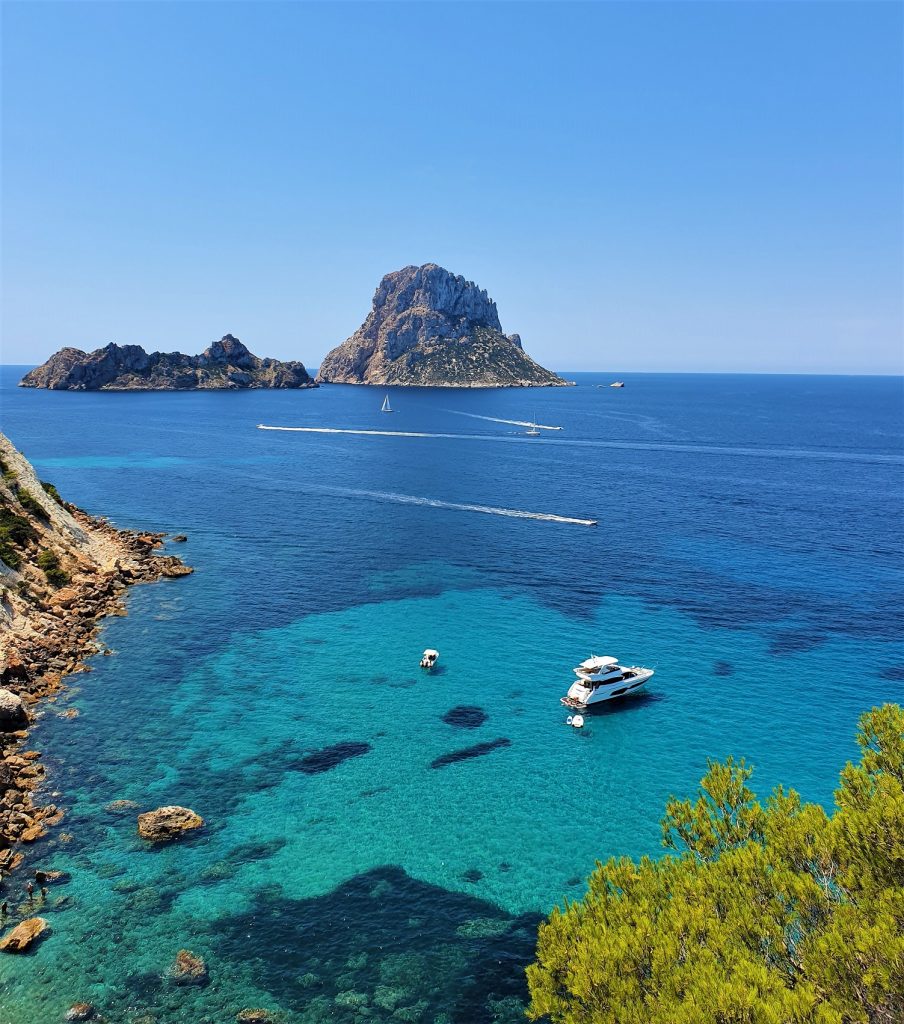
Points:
(640, 186)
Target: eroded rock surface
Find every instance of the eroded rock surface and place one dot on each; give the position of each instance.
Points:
(188, 969)
(430, 327)
(23, 935)
(227, 363)
(167, 823)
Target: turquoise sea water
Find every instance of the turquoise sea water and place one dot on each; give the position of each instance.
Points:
(748, 547)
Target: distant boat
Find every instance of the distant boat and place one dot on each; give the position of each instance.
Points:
(617, 384)
(532, 429)
(386, 407)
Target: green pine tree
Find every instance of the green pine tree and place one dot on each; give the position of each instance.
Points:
(774, 913)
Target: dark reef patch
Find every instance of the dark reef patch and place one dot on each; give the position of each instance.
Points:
(365, 793)
(894, 673)
(478, 750)
(428, 951)
(325, 759)
(793, 642)
(472, 875)
(465, 716)
(723, 668)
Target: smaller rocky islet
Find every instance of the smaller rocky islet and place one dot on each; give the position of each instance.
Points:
(227, 364)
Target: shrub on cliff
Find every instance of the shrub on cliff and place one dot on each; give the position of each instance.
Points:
(15, 532)
(50, 489)
(764, 913)
(31, 504)
(50, 563)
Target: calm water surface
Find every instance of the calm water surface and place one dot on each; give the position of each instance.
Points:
(749, 547)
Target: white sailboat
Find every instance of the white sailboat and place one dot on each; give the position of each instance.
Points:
(533, 430)
(386, 407)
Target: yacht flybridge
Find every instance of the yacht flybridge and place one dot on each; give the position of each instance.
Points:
(601, 679)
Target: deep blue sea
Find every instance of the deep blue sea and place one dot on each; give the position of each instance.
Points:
(749, 548)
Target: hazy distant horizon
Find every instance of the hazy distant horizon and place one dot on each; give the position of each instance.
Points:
(676, 187)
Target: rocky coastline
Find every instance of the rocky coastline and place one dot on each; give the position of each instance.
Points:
(61, 572)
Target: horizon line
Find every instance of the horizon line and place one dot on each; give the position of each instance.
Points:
(640, 373)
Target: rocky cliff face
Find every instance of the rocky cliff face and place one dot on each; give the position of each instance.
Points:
(430, 327)
(226, 364)
(61, 571)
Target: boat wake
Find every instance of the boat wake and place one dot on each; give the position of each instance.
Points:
(411, 499)
(495, 419)
(343, 430)
(649, 446)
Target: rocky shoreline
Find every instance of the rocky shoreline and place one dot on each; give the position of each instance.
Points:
(49, 624)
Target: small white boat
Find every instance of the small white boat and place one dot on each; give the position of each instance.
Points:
(617, 384)
(532, 429)
(386, 407)
(429, 658)
(602, 679)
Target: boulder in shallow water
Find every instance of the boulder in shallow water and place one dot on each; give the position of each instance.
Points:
(167, 823)
(188, 969)
(12, 711)
(120, 806)
(23, 935)
(81, 1011)
(254, 1017)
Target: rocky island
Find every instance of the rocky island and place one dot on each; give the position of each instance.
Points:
(226, 364)
(61, 571)
(432, 328)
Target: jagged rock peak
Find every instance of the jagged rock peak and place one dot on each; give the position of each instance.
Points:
(432, 287)
(428, 326)
(226, 363)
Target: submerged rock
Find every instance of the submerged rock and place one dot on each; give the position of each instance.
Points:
(478, 750)
(255, 1016)
(483, 928)
(432, 328)
(81, 1011)
(351, 1000)
(120, 806)
(330, 757)
(167, 823)
(24, 935)
(188, 969)
(465, 716)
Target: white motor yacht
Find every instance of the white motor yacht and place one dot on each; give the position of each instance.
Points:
(601, 679)
(429, 658)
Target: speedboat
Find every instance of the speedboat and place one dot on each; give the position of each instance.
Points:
(601, 679)
(429, 658)
(617, 384)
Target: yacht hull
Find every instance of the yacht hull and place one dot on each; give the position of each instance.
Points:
(586, 694)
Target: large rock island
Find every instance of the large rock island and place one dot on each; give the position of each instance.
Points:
(429, 327)
(225, 364)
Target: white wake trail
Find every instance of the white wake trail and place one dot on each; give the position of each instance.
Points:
(410, 499)
(341, 430)
(495, 419)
